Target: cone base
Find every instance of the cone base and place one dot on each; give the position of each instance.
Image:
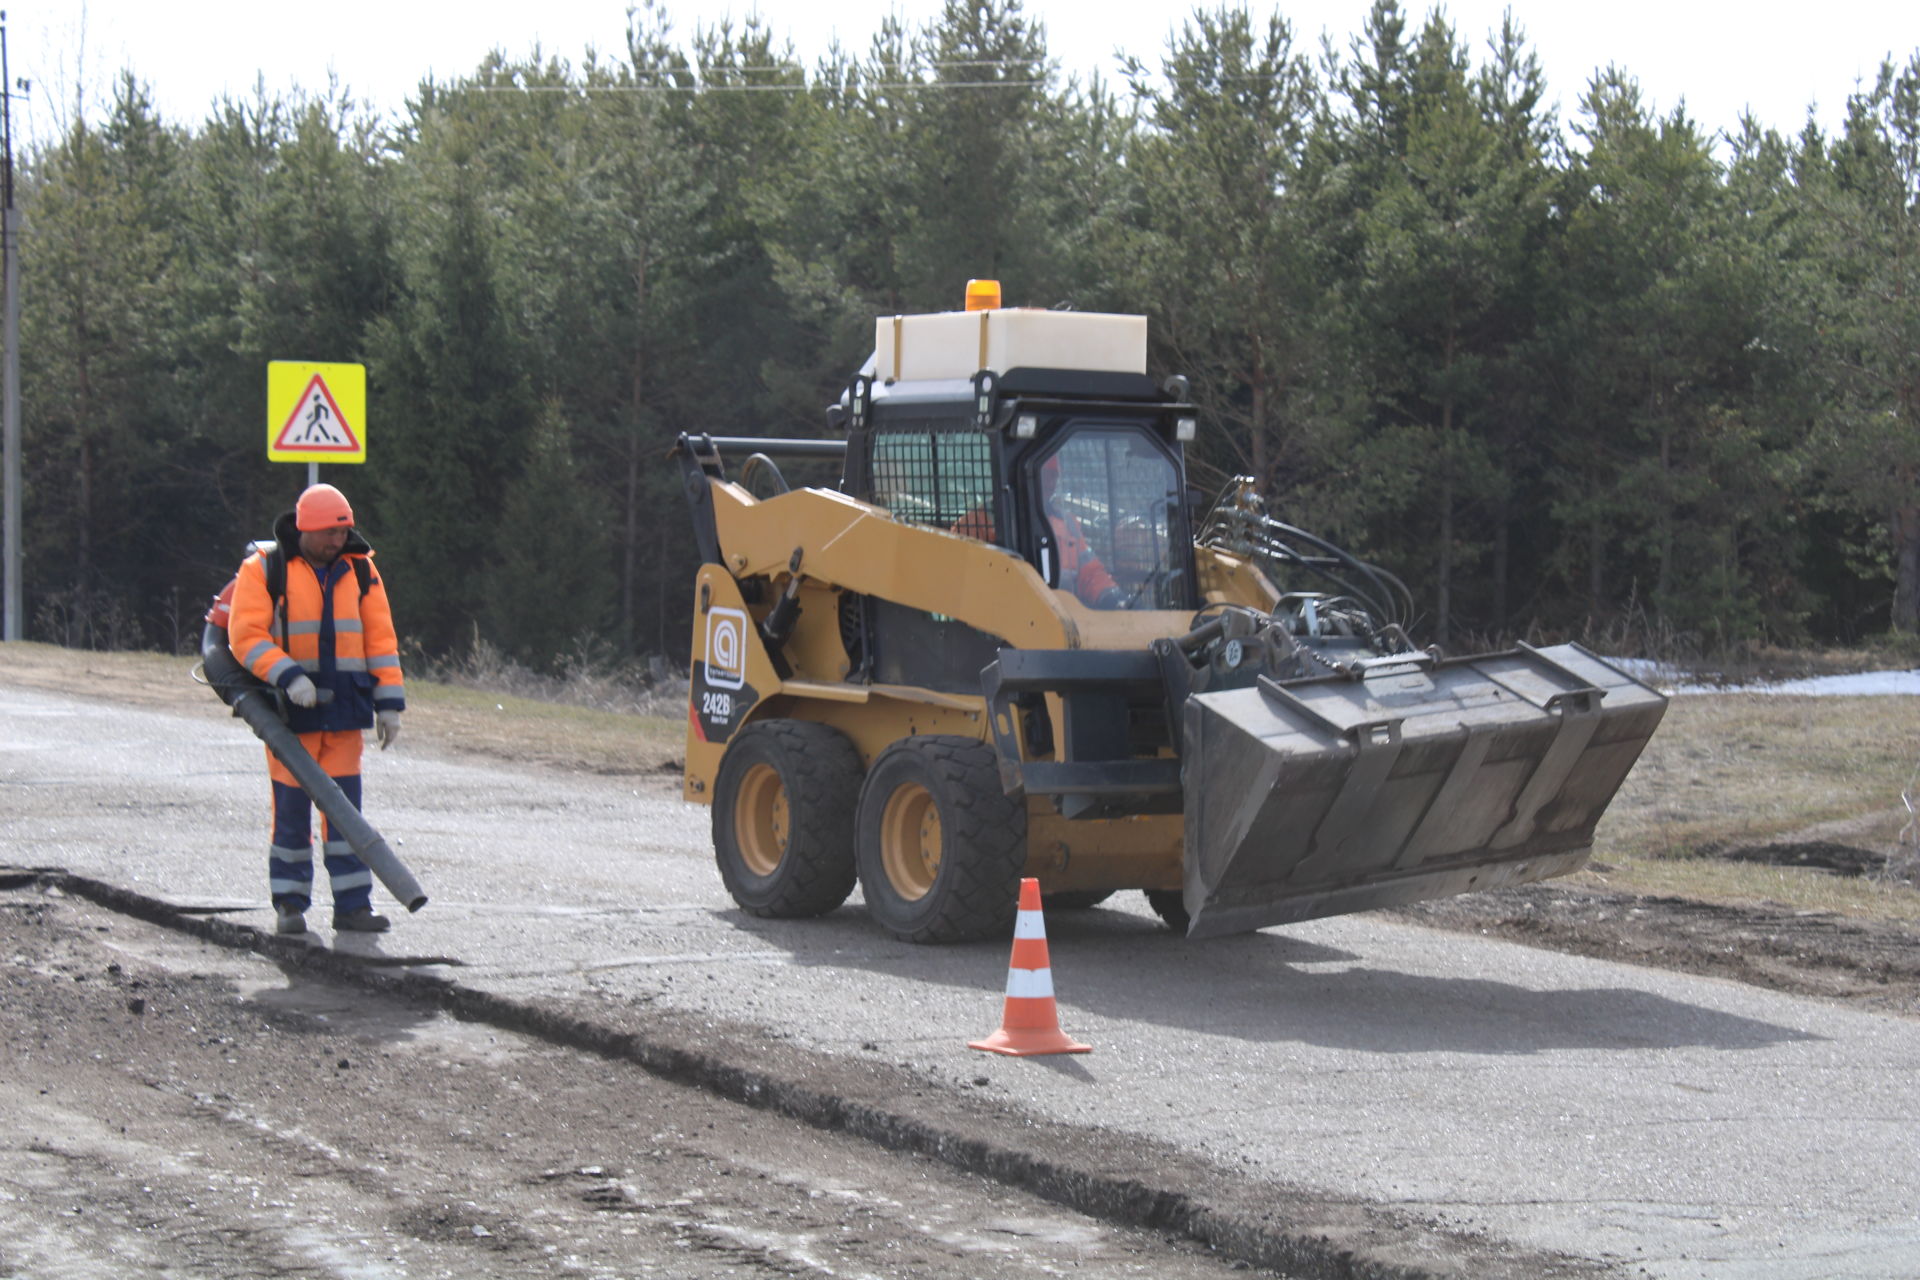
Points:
(1028, 1044)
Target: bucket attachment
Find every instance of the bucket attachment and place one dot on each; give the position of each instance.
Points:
(1419, 779)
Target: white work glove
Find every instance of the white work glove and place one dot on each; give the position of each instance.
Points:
(301, 693)
(386, 727)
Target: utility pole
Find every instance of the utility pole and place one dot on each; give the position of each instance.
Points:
(10, 625)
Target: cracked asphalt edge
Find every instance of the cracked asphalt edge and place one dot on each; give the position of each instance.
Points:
(1133, 1181)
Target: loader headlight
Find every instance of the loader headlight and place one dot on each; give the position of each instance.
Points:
(1025, 426)
(1183, 428)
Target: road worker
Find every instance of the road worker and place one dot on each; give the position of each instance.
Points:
(328, 644)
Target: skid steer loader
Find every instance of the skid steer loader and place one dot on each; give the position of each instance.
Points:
(1012, 642)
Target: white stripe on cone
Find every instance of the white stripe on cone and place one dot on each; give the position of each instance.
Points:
(1029, 924)
(1030, 984)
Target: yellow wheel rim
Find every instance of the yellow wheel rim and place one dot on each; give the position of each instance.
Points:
(760, 819)
(910, 841)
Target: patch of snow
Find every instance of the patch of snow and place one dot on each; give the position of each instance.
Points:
(1859, 684)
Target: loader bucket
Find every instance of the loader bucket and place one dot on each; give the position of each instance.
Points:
(1421, 780)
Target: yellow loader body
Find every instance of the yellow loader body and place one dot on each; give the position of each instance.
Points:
(1007, 646)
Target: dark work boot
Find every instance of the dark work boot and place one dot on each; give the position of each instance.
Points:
(360, 920)
(287, 920)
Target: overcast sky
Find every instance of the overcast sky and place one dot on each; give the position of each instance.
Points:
(1773, 58)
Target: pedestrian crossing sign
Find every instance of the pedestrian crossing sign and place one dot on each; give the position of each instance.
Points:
(316, 412)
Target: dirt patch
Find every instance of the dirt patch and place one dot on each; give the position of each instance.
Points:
(1871, 963)
(173, 1108)
(1818, 855)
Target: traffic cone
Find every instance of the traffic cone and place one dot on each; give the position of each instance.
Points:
(1029, 1025)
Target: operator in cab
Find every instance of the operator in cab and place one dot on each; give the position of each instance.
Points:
(1080, 569)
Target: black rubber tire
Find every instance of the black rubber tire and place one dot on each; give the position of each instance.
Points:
(1075, 899)
(939, 845)
(1170, 905)
(783, 804)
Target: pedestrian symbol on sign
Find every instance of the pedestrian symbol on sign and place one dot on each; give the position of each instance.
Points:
(316, 424)
(317, 430)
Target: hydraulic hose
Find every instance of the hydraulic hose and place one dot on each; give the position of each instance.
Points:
(252, 701)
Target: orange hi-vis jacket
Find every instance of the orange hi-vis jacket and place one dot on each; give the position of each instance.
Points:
(325, 628)
(1080, 569)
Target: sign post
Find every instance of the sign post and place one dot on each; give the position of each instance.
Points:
(316, 413)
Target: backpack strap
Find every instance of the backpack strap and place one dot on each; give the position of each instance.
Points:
(275, 562)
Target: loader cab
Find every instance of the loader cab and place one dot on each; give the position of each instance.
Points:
(1093, 500)
(1095, 503)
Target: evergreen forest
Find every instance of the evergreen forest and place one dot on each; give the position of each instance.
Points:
(1582, 371)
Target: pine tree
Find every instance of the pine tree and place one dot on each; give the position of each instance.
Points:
(98, 422)
(1865, 190)
(1230, 262)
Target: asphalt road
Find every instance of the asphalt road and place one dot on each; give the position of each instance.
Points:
(1652, 1123)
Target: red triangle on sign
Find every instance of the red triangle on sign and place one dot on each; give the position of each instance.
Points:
(316, 424)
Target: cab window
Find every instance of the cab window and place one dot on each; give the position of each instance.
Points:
(1110, 528)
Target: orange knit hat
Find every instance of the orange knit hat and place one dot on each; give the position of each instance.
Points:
(322, 507)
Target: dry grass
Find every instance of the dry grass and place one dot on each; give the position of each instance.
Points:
(1797, 888)
(510, 727)
(595, 714)
(156, 680)
(1733, 770)
(588, 675)
(455, 718)
(1760, 663)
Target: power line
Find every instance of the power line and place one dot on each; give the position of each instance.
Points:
(801, 67)
(728, 68)
(756, 88)
(705, 86)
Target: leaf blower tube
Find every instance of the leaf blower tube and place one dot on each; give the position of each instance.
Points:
(252, 701)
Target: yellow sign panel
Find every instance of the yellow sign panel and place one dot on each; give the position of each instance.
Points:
(316, 412)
